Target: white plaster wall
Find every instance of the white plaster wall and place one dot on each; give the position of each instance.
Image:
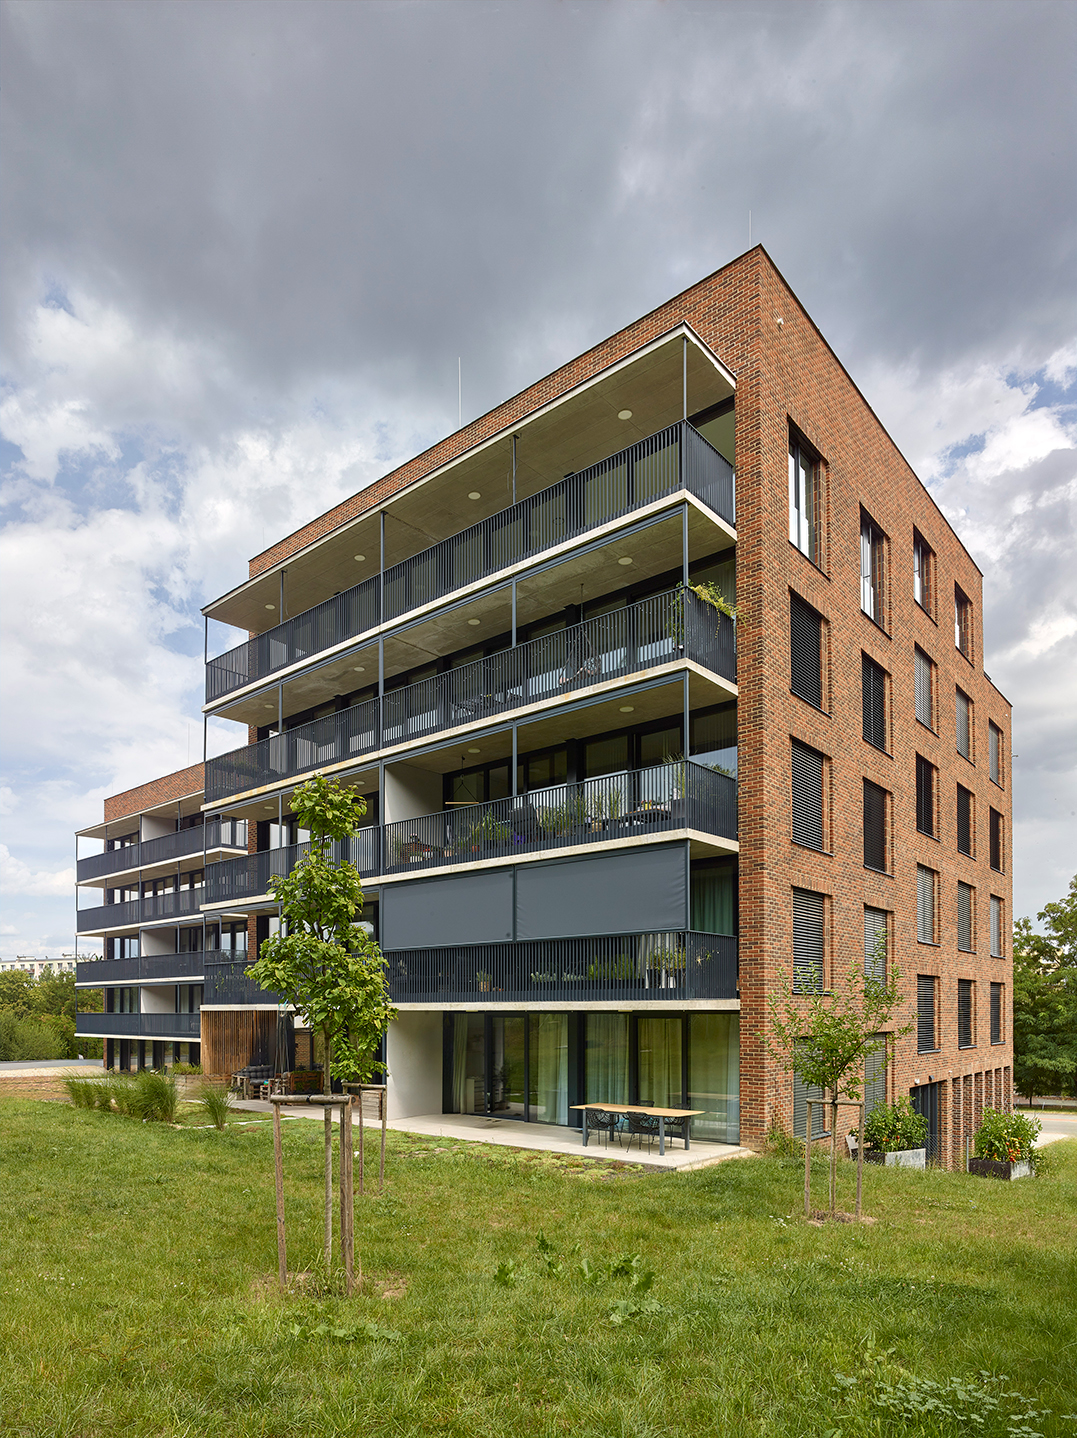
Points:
(158, 998)
(158, 941)
(410, 792)
(413, 1048)
(154, 827)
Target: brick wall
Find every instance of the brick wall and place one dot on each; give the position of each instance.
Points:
(168, 789)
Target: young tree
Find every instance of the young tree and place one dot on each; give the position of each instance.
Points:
(1045, 999)
(321, 961)
(826, 1036)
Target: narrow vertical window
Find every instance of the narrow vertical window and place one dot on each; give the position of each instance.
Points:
(873, 681)
(807, 796)
(998, 950)
(921, 571)
(802, 1092)
(964, 821)
(925, 904)
(925, 796)
(965, 905)
(996, 836)
(874, 827)
(996, 1014)
(964, 724)
(966, 1015)
(871, 568)
(875, 943)
(925, 688)
(925, 1013)
(803, 499)
(963, 622)
(808, 941)
(994, 736)
(805, 651)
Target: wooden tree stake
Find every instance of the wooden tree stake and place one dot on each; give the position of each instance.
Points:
(278, 1164)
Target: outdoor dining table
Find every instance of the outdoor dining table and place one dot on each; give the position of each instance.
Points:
(661, 1114)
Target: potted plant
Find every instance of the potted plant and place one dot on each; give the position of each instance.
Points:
(1005, 1145)
(483, 978)
(895, 1134)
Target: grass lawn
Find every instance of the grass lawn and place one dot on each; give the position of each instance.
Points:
(510, 1294)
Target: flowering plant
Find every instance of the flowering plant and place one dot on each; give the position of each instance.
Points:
(1007, 1137)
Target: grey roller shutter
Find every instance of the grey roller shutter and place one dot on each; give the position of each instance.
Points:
(805, 651)
(875, 938)
(638, 891)
(964, 917)
(925, 796)
(996, 928)
(802, 1092)
(923, 688)
(925, 1013)
(996, 1013)
(963, 734)
(808, 941)
(464, 909)
(873, 680)
(925, 904)
(964, 1013)
(874, 1079)
(964, 820)
(874, 826)
(807, 796)
(995, 827)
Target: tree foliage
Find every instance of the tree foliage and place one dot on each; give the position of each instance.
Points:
(1045, 999)
(37, 1016)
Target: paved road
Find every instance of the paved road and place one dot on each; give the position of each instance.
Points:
(1054, 1126)
(14, 1066)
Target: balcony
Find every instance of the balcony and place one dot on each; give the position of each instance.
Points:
(660, 630)
(627, 968)
(146, 969)
(153, 908)
(139, 1026)
(217, 834)
(637, 804)
(677, 458)
(227, 982)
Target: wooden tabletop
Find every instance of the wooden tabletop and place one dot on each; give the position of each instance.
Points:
(642, 1108)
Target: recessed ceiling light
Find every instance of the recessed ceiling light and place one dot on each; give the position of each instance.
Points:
(473, 621)
(359, 557)
(269, 706)
(625, 559)
(475, 494)
(271, 606)
(628, 709)
(360, 669)
(624, 414)
(474, 751)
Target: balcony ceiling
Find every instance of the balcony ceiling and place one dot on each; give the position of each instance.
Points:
(175, 808)
(572, 433)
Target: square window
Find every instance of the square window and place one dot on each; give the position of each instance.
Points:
(873, 682)
(803, 499)
(872, 567)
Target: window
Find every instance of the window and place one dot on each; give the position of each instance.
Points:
(996, 1014)
(995, 830)
(925, 904)
(802, 1092)
(964, 724)
(876, 938)
(875, 1076)
(966, 903)
(805, 651)
(925, 689)
(926, 1040)
(874, 827)
(966, 1015)
(803, 499)
(807, 796)
(872, 552)
(963, 622)
(964, 821)
(998, 950)
(923, 560)
(994, 744)
(808, 941)
(873, 680)
(925, 796)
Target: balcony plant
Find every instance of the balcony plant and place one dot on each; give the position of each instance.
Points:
(895, 1134)
(1005, 1145)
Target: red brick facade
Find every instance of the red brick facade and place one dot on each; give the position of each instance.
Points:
(166, 790)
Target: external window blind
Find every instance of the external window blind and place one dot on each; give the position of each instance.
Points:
(964, 917)
(925, 796)
(874, 826)
(995, 827)
(807, 796)
(873, 679)
(996, 1013)
(808, 941)
(964, 820)
(874, 1079)
(925, 1013)
(995, 753)
(964, 1014)
(962, 621)
(806, 651)
(925, 904)
(875, 940)
(964, 738)
(923, 676)
(997, 951)
(801, 1093)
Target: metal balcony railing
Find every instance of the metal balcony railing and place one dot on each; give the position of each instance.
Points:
(150, 909)
(219, 834)
(637, 803)
(148, 968)
(655, 631)
(675, 458)
(227, 982)
(670, 967)
(134, 1026)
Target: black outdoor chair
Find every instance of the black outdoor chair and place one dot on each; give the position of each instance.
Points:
(600, 1121)
(642, 1125)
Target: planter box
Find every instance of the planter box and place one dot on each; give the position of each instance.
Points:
(999, 1168)
(900, 1158)
(304, 1081)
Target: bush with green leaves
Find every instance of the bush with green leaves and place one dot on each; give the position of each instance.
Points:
(892, 1127)
(1007, 1137)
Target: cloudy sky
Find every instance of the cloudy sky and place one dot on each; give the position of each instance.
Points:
(245, 244)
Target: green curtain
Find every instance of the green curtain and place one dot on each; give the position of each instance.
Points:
(712, 901)
(549, 1068)
(607, 1058)
(714, 1076)
(659, 1050)
(459, 1061)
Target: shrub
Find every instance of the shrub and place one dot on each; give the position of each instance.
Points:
(784, 1145)
(83, 1092)
(25, 1039)
(892, 1127)
(186, 1068)
(155, 1098)
(217, 1103)
(1007, 1137)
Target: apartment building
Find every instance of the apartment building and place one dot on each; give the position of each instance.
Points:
(605, 821)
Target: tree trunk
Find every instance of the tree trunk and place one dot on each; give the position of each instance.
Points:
(833, 1156)
(327, 1090)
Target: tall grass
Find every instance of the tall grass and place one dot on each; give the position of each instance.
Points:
(148, 1096)
(217, 1103)
(84, 1093)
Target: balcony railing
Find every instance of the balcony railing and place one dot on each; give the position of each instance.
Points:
(676, 458)
(628, 968)
(146, 969)
(229, 983)
(152, 908)
(655, 631)
(145, 1026)
(219, 834)
(638, 803)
